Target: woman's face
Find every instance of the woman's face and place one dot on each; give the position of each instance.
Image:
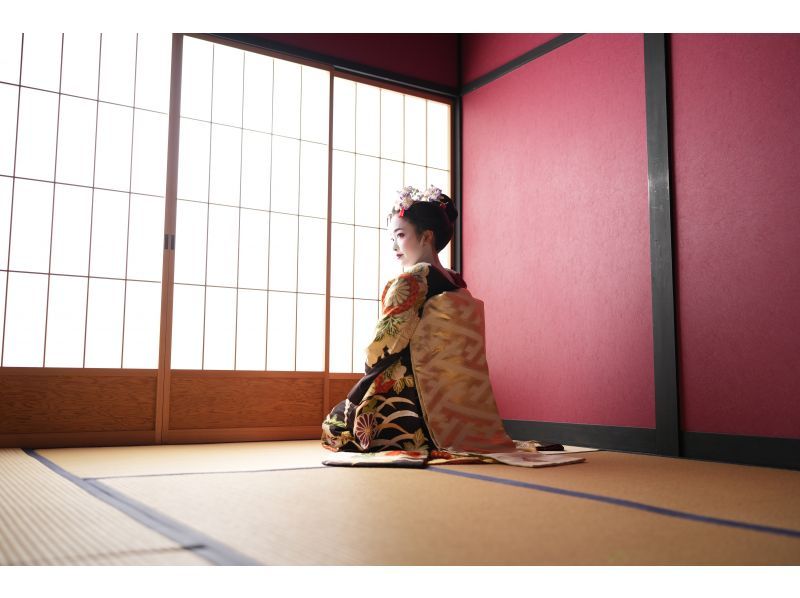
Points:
(407, 246)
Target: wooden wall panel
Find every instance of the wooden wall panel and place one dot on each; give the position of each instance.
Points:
(204, 400)
(339, 387)
(41, 401)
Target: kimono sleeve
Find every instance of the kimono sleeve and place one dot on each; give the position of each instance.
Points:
(400, 302)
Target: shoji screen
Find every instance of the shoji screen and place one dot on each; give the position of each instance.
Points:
(382, 141)
(250, 258)
(82, 171)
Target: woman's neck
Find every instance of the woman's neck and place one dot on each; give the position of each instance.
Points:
(432, 258)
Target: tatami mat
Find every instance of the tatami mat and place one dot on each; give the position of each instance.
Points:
(759, 495)
(424, 517)
(47, 519)
(118, 461)
(187, 458)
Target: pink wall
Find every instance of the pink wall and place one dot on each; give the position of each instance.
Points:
(737, 220)
(556, 233)
(432, 57)
(484, 52)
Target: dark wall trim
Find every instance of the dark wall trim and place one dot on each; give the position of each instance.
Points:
(661, 260)
(519, 61)
(747, 450)
(616, 438)
(458, 264)
(344, 66)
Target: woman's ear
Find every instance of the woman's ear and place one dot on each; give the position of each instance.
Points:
(427, 236)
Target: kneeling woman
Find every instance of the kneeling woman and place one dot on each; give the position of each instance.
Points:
(427, 385)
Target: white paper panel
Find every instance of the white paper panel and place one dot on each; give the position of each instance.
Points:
(190, 242)
(313, 179)
(285, 175)
(342, 260)
(193, 160)
(254, 249)
(187, 327)
(5, 220)
(286, 99)
(149, 169)
(310, 333)
(315, 104)
(117, 67)
(438, 135)
(223, 245)
(391, 183)
(257, 92)
(10, 53)
(153, 65)
(226, 107)
(196, 78)
(367, 192)
(281, 331)
(251, 331)
(414, 175)
(8, 127)
(36, 137)
(76, 137)
(365, 275)
(343, 187)
(66, 317)
(414, 121)
(311, 272)
(226, 147)
(30, 226)
(368, 119)
(391, 125)
(142, 325)
(365, 315)
(146, 240)
(41, 60)
(344, 114)
(104, 323)
(80, 64)
(283, 253)
(256, 151)
(109, 234)
(113, 156)
(25, 314)
(220, 335)
(72, 219)
(341, 339)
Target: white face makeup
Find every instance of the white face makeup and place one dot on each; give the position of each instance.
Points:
(407, 246)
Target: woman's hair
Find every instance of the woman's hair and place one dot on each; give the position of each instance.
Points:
(434, 216)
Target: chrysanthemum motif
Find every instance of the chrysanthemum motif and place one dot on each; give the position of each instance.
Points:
(364, 429)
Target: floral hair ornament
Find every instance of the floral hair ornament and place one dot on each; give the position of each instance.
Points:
(409, 195)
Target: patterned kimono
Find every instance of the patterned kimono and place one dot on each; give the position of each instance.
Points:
(426, 392)
(382, 411)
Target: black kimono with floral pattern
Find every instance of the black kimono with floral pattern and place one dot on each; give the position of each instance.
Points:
(382, 411)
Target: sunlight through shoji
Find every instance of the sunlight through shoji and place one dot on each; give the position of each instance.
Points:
(382, 141)
(251, 236)
(83, 138)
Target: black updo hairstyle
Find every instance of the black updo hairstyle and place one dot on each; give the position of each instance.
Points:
(434, 216)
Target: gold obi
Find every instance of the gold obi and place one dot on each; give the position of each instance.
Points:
(449, 360)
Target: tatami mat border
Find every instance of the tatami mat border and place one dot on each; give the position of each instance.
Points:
(188, 538)
(626, 503)
(154, 475)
